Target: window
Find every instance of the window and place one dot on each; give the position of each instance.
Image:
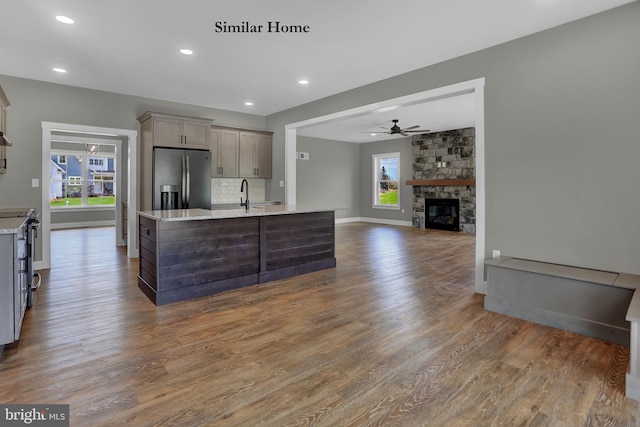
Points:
(78, 180)
(386, 184)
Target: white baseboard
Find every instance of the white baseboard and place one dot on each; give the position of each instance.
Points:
(83, 224)
(374, 220)
(346, 220)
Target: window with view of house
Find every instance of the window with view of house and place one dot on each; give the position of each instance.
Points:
(81, 180)
(386, 184)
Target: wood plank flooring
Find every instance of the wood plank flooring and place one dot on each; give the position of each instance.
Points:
(394, 336)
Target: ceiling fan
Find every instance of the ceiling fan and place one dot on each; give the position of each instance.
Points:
(395, 129)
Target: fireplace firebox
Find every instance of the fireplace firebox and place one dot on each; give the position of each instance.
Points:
(442, 214)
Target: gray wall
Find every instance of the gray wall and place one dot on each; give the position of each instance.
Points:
(33, 102)
(561, 138)
(331, 176)
(338, 174)
(402, 146)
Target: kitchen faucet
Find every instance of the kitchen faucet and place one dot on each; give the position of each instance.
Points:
(246, 194)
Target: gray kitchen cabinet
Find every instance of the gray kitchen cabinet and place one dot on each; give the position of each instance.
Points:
(255, 155)
(13, 284)
(178, 131)
(223, 144)
(4, 103)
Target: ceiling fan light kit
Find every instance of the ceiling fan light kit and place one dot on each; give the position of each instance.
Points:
(397, 130)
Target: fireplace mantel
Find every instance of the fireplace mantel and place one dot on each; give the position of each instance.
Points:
(427, 182)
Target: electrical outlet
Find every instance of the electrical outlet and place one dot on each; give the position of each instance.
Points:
(35, 182)
(495, 253)
(303, 156)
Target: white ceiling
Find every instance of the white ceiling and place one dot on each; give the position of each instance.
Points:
(131, 46)
(444, 114)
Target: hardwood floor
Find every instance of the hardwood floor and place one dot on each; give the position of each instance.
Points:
(395, 335)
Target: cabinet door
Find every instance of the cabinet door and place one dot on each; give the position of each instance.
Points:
(246, 155)
(195, 134)
(263, 153)
(20, 283)
(228, 153)
(214, 134)
(3, 149)
(7, 289)
(167, 132)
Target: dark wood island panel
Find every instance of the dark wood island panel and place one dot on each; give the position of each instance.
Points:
(297, 244)
(192, 258)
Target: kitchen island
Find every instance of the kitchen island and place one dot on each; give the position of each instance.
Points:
(190, 253)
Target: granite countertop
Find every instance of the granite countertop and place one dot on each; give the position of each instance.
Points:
(200, 214)
(11, 225)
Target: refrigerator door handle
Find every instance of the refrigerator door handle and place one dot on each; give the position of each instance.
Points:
(188, 179)
(183, 182)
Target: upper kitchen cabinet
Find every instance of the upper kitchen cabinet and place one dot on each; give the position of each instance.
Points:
(255, 155)
(223, 144)
(4, 142)
(177, 131)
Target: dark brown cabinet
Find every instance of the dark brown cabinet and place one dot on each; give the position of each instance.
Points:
(183, 259)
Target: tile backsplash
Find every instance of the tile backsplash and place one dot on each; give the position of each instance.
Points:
(227, 190)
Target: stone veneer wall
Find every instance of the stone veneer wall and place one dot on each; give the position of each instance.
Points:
(445, 155)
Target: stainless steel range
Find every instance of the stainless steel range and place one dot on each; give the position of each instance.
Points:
(32, 225)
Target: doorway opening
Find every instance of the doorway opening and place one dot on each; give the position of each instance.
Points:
(475, 87)
(124, 144)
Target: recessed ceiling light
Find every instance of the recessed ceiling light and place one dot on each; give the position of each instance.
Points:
(64, 19)
(303, 82)
(374, 134)
(248, 103)
(186, 51)
(59, 70)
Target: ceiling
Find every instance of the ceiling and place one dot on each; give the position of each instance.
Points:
(443, 114)
(132, 47)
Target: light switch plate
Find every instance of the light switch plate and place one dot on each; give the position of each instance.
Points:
(35, 182)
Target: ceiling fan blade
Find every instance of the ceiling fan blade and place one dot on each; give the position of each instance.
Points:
(404, 134)
(376, 131)
(411, 127)
(418, 130)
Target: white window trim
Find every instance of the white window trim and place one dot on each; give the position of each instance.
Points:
(374, 168)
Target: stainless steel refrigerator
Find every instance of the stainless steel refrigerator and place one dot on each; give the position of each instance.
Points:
(187, 172)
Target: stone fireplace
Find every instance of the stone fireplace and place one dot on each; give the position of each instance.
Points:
(443, 182)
